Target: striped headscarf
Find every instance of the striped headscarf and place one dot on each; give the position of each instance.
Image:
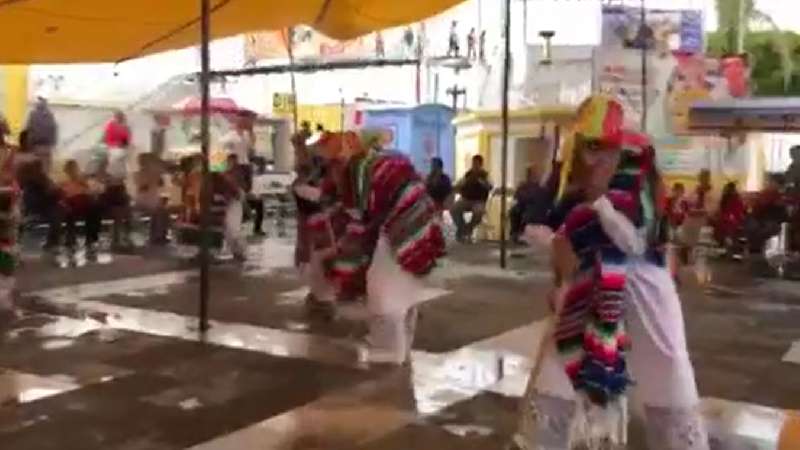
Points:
(384, 195)
(638, 174)
(589, 333)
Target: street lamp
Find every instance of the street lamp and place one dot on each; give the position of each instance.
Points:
(547, 54)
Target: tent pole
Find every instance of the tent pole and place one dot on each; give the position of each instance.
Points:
(205, 194)
(504, 150)
(645, 42)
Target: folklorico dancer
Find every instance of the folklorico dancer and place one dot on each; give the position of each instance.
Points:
(618, 318)
(308, 192)
(386, 237)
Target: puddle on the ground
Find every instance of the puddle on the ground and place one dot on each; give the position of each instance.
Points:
(733, 424)
(134, 286)
(66, 327)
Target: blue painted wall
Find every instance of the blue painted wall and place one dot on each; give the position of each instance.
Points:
(421, 133)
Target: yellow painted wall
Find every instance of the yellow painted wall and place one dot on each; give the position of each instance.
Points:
(14, 91)
(330, 116)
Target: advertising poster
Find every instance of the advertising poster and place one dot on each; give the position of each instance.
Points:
(678, 74)
(665, 33)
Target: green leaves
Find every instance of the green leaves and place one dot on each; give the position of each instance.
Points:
(773, 53)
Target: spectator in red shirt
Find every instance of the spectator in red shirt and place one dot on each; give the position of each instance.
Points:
(677, 206)
(117, 134)
(732, 212)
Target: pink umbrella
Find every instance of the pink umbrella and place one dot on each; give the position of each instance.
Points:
(217, 105)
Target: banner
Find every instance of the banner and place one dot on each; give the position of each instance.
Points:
(665, 30)
(310, 45)
(620, 72)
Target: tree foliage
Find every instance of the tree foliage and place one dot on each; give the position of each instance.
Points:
(773, 54)
(767, 59)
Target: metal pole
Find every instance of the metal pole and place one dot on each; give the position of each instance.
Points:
(290, 51)
(341, 110)
(741, 21)
(205, 195)
(645, 40)
(504, 150)
(525, 22)
(418, 82)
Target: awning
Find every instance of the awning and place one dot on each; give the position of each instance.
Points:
(779, 114)
(61, 31)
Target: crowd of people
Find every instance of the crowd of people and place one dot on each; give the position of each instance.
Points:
(121, 183)
(63, 197)
(741, 223)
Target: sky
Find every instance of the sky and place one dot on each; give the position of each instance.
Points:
(560, 15)
(116, 83)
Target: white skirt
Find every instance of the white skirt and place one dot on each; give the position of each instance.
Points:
(313, 274)
(391, 291)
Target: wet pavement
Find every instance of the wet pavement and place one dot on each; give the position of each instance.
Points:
(117, 339)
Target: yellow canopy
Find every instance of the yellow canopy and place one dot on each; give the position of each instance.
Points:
(62, 31)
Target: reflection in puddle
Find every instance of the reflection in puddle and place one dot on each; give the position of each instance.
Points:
(57, 344)
(293, 325)
(271, 254)
(468, 430)
(443, 380)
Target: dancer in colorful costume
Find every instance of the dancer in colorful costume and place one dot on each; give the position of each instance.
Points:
(311, 202)
(617, 284)
(387, 240)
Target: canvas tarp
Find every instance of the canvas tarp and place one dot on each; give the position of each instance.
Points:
(58, 31)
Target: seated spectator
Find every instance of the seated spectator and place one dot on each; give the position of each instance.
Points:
(532, 201)
(150, 199)
(474, 190)
(40, 196)
(80, 204)
(767, 215)
(116, 203)
(732, 212)
(439, 185)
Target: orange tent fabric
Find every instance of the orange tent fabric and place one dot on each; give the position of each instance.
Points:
(64, 31)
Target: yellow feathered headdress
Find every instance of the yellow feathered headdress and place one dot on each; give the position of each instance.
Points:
(600, 120)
